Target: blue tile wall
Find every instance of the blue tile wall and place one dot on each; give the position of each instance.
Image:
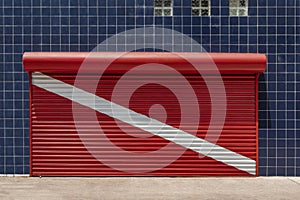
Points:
(272, 27)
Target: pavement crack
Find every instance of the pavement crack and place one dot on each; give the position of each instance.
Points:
(294, 181)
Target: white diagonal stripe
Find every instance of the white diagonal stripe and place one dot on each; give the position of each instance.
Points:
(141, 121)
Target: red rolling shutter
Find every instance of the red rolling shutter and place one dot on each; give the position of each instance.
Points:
(65, 145)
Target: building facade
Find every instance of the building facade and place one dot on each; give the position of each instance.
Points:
(271, 27)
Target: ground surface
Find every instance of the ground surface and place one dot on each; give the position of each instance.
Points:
(150, 188)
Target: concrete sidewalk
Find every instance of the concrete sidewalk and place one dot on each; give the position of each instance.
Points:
(150, 188)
